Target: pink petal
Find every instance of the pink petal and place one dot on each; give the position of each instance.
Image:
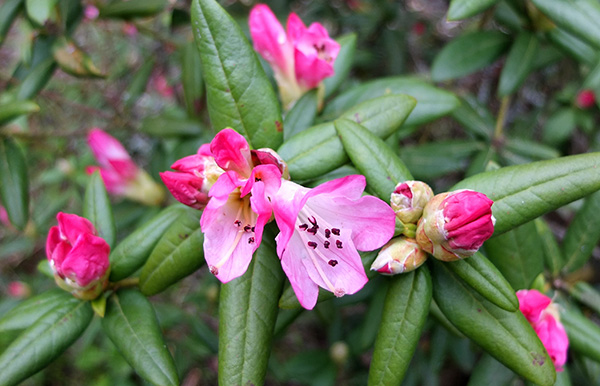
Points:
(532, 303)
(125, 168)
(310, 70)
(190, 164)
(555, 340)
(286, 205)
(231, 152)
(463, 207)
(471, 236)
(87, 261)
(270, 177)
(106, 148)
(71, 226)
(270, 39)
(186, 188)
(295, 27)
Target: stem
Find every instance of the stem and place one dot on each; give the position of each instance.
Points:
(498, 131)
(129, 282)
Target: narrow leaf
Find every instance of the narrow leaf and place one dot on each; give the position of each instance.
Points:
(586, 295)
(177, 254)
(247, 316)
(583, 234)
(191, 76)
(573, 46)
(475, 117)
(44, 340)
(584, 335)
(553, 256)
(12, 110)
(404, 315)
(523, 192)
(14, 182)
(36, 79)
(489, 371)
(519, 63)
(463, 9)
(239, 93)
(343, 64)
(301, 116)
(29, 311)
(139, 81)
(132, 8)
(8, 13)
(131, 324)
(97, 209)
(505, 335)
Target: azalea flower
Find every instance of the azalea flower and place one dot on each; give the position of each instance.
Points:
(300, 58)
(321, 231)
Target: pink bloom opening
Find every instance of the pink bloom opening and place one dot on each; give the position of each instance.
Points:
(321, 230)
(543, 317)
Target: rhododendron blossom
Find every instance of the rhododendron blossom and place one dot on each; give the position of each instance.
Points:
(321, 231)
(301, 57)
(543, 316)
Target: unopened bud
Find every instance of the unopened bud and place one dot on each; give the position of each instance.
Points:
(408, 200)
(585, 99)
(399, 255)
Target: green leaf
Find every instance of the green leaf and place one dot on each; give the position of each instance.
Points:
(486, 279)
(372, 157)
(432, 102)
(523, 192)
(14, 182)
(519, 63)
(584, 335)
(586, 295)
(41, 11)
(133, 251)
(559, 126)
(12, 110)
(130, 323)
(475, 117)
(239, 94)
(8, 13)
(191, 78)
(97, 209)
(580, 17)
(139, 81)
(518, 254)
(73, 60)
(583, 234)
(247, 316)
(553, 256)
(318, 150)
(132, 8)
(529, 149)
(505, 335)
(177, 254)
(468, 53)
(29, 311)
(343, 64)
(404, 315)
(463, 9)
(572, 46)
(167, 126)
(44, 340)
(489, 371)
(301, 116)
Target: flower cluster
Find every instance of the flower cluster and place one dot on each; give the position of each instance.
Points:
(301, 57)
(321, 229)
(543, 316)
(450, 226)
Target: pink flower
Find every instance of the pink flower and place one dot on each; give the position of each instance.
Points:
(455, 224)
(18, 290)
(585, 99)
(120, 174)
(300, 58)
(321, 231)
(91, 12)
(77, 256)
(4, 217)
(543, 317)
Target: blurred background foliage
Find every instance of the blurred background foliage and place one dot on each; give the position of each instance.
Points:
(526, 88)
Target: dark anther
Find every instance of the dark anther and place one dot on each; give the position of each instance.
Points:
(312, 244)
(327, 233)
(313, 230)
(303, 227)
(238, 223)
(313, 220)
(252, 229)
(338, 243)
(256, 179)
(250, 240)
(247, 228)
(333, 263)
(326, 244)
(335, 231)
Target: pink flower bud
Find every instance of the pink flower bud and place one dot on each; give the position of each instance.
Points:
(455, 224)
(78, 257)
(18, 290)
(408, 200)
(543, 316)
(399, 255)
(91, 12)
(585, 99)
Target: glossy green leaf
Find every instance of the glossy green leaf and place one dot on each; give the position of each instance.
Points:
(572, 46)
(177, 254)
(463, 9)
(301, 116)
(343, 64)
(29, 311)
(132, 8)
(41, 11)
(131, 253)
(36, 79)
(191, 78)
(553, 257)
(97, 209)
(475, 117)
(489, 371)
(467, 54)
(559, 126)
(404, 315)
(523, 192)
(139, 81)
(8, 12)
(580, 17)
(372, 157)
(530, 149)
(12, 110)
(583, 234)
(247, 316)
(505, 335)
(318, 150)
(14, 182)
(586, 295)
(584, 335)
(44, 340)
(519, 63)
(485, 278)
(130, 323)
(239, 94)
(432, 102)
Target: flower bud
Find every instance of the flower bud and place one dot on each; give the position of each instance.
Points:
(455, 224)
(19, 290)
(78, 257)
(585, 99)
(408, 200)
(399, 255)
